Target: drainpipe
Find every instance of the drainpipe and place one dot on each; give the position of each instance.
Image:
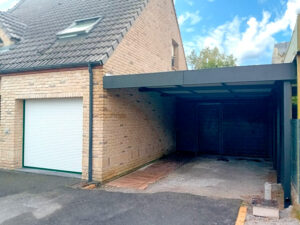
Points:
(91, 102)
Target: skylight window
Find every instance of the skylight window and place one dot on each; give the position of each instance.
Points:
(79, 27)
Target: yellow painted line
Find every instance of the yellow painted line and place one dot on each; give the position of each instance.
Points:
(241, 216)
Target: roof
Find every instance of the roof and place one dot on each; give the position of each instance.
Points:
(11, 25)
(280, 50)
(40, 47)
(238, 82)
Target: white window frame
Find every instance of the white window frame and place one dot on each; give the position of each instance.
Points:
(66, 33)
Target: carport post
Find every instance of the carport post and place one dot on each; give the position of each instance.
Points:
(278, 137)
(287, 116)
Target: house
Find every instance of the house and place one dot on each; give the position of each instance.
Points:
(279, 52)
(102, 87)
(55, 113)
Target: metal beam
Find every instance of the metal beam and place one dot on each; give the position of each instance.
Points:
(287, 116)
(271, 72)
(143, 80)
(210, 88)
(278, 134)
(274, 72)
(220, 96)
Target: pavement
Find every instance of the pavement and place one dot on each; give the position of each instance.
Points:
(32, 199)
(142, 178)
(210, 176)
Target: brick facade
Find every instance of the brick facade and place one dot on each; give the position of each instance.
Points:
(130, 128)
(139, 127)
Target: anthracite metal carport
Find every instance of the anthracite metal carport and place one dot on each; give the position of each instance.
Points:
(273, 83)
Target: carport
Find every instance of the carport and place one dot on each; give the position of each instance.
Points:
(236, 111)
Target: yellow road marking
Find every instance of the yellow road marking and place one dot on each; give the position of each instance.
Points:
(241, 216)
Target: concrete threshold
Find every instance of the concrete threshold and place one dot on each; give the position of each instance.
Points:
(50, 173)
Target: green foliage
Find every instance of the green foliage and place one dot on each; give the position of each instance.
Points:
(210, 58)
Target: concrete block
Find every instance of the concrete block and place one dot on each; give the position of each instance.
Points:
(264, 211)
(265, 208)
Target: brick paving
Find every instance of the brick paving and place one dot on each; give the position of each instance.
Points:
(142, 178)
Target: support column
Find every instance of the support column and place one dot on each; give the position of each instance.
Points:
(278, 134)
(298, 87)
(287, 116)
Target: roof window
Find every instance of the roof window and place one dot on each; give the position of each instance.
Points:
(79, 27)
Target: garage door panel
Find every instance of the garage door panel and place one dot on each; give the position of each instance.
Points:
(53, 134)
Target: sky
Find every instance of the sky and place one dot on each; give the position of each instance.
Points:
(248, 29)
(6, 4)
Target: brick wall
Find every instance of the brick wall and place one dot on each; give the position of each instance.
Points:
(139, 127)
(147, 47)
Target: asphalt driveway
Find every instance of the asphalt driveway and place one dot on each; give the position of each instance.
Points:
(39, 199)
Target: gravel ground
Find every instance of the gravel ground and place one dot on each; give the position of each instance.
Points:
(285, 219)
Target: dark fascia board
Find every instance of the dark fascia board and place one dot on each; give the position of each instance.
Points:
(273, 72)
(51, 67)
(143, 80)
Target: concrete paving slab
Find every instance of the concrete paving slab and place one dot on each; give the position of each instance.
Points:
(236, 178)
(142, 178)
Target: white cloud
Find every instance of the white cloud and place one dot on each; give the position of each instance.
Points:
(189, 2)
(190, 29)
(256, 40)
(4, 1)
(193, 17)
(7, 4)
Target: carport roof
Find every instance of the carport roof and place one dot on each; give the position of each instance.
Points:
(238, 81)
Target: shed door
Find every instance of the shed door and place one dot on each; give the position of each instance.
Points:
(53, 134)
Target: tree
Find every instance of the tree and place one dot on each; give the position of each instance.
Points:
(210, 58)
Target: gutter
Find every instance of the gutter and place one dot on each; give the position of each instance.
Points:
(91, 107)
(51, 67)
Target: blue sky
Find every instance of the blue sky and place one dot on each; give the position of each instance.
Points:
(248, 29)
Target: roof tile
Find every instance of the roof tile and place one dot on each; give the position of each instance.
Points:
(45, 18)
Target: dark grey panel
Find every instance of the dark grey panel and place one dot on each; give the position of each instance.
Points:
(149, 80)
(278, 72)
(287, 117)
(242, 74)
(223, 127)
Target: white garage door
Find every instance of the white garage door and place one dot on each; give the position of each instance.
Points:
(53, 134)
